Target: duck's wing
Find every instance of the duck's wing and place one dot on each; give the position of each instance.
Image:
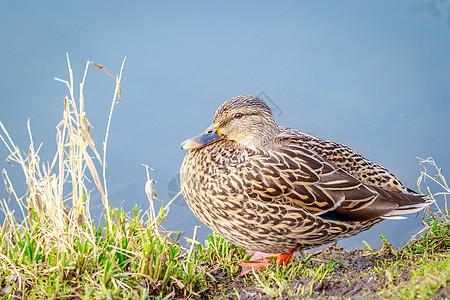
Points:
(293, 175)
(347, 159)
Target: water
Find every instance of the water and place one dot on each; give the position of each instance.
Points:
(372, 75)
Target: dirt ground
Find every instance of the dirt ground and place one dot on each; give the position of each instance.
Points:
(353, 278)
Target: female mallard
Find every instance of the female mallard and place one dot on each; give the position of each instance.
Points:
(274, 189)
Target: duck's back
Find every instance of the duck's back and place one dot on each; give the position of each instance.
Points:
(346, 159)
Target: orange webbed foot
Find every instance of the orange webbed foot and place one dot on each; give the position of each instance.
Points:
(284, 258)
(261, 260)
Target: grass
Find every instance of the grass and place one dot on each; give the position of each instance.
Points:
(56, 250)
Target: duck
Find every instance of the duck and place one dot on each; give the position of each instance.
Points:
(272, 189)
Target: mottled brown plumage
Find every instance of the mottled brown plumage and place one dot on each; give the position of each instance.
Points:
(269, 188)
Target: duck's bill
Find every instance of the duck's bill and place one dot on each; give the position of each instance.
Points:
(210, 135)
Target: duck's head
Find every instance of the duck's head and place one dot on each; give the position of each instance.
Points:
(244, 119)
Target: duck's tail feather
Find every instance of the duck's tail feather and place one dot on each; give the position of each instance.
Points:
(409, 209)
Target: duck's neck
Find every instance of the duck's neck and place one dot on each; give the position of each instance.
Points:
(260, 139)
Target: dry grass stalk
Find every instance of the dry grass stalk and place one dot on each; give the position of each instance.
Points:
(57, 193)
(438, 179)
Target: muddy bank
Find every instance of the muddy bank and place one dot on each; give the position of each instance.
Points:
(357, 274)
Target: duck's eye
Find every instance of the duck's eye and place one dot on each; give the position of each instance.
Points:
(238, 115)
